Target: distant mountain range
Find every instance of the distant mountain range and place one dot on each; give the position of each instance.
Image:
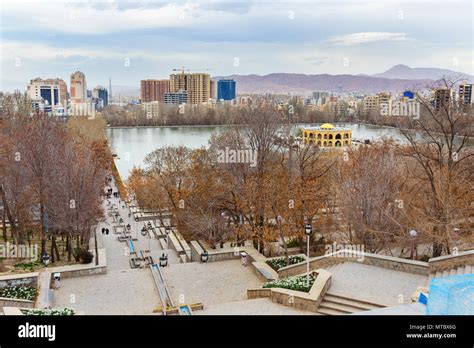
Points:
(396, 79)
(401, 71)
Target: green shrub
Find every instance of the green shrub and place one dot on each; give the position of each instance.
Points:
(293, 243)
(297, 283)
(85, 256)
(280, 262)
(27, 266)
(52, 311)
(19, 292)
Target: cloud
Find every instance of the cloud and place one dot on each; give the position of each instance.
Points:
(88, 18)
(316, 60)
(366, 37)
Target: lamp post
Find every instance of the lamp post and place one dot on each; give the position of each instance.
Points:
(308, 229)
(168, 231)
(45, 258)
(413, 235)
(163, 260)
(205, 256)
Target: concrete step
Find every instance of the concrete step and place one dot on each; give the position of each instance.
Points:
(468, 269)
(460, 270)
(353, 305)
(347, 309)
(452, 271)
(354, 301)
(327, 311)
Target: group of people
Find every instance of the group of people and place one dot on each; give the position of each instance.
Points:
(105, 230)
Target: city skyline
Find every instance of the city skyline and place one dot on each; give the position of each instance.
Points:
(131, 41)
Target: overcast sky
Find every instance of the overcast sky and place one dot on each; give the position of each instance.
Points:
(134, 40)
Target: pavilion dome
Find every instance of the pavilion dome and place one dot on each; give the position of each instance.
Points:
(326, 126)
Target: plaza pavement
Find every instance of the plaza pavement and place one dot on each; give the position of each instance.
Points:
(121, 290)
(374, 284)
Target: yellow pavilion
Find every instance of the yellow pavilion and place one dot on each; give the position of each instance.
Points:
(327, 135)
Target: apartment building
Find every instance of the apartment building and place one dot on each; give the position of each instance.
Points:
(197, 86)
(154, 90)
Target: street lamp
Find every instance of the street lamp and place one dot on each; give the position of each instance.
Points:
(168, 231)
(163, 260)
(204, 256)
(308, 229)
(413, 235)
(45, 258)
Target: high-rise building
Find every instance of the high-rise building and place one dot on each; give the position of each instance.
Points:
(371, 102)
(179, 97)
(51, 94)
(443, 97)
(225, 90)
(466, 95)
(154, 90)
(383, 98)
(78, 87)
(100, 96)
(213, 87)
(197, 86)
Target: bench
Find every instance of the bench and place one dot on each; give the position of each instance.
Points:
(149, 260)
(123, 238)
(135, 262)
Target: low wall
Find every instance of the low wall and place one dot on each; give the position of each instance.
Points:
(22, 279)
(447, 262)
(81, 270)
(393, 263)
(223, 255)
(264, 271)
(196, 251)
(15, 302)
(305, 301)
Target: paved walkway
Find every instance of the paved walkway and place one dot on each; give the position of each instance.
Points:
(210, 283)
(260, 306)
(121, 290)
(374, 284)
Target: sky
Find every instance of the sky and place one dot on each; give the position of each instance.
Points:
(145, 39)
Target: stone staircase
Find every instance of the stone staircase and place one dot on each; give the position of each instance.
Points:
(333, 304)
(467, 269)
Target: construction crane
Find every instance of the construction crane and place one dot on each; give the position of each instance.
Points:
(189, 69)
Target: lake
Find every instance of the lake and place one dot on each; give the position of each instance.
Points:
(132, 144)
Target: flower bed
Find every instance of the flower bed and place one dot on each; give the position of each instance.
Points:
(280, 262)
(19, 292)
(52, 311)
(297, 283)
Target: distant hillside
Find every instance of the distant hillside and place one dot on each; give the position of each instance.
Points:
(405, 72)
(301, 83)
